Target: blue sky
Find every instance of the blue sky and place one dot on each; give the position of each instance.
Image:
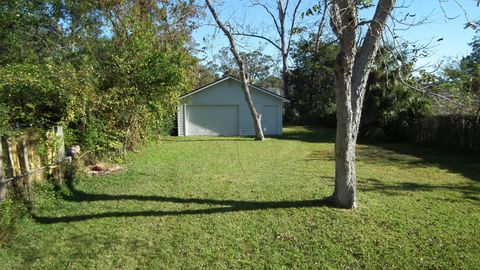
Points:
(447, 24)
(449, 27)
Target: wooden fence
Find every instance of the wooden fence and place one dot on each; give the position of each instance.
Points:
(452, 132)
(31, 156)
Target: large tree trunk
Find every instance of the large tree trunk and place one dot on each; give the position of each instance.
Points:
(285, 76)
(286, 92)
(351, 73)
(256, 117)
(344, 195)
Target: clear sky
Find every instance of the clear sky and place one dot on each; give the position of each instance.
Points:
(444, 19)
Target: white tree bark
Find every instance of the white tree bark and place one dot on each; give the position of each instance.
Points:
(351, 73)
(256, 117)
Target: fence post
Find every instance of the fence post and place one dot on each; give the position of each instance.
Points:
(25, 169)
(24, 165)
(3, 185)
(60, 142)
(7, 158)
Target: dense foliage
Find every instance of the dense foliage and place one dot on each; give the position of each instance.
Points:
(43, 94)
(391, 106)
(460, 80)
(312, 80)
(109, 71)
(259, 66)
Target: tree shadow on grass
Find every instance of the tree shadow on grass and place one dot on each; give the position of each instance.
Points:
(208, 139)
(222, 206)
(469, 191)
(410, 156)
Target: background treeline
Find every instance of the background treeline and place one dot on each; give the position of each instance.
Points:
(390, 106)
(111, 71)
(401, 104)
(401, 101)
(108, 71)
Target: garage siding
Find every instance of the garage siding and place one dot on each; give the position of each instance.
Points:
(180, 120)
(229, 92)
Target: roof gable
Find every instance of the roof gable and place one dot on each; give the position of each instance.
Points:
(208, 86)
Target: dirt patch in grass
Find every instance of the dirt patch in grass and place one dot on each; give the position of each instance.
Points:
(101, 169)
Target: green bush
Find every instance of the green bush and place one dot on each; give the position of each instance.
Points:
(110, 93)
(42, 94)
(11, 210)
(111, 106)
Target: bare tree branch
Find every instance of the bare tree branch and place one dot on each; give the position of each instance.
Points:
(321, 24)
(440, 3)
(292, 25)
(286, 6)
(271, 15)
(260, 37)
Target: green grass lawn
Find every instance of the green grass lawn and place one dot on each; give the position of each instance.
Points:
(233, 203)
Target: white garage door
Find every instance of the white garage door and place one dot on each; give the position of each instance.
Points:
(211, 120)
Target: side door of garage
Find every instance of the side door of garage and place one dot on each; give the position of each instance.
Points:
(270, 120)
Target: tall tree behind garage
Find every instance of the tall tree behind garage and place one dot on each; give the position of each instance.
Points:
(285, 30)
(256, 117)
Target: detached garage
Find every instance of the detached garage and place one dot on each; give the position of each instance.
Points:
(220, 109)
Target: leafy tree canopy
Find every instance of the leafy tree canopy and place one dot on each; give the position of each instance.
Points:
(259, 66)
(109, 71)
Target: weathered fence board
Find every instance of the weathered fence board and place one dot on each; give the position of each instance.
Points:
(3, 184)
(60, 154)
(23, 158)
(453, 132)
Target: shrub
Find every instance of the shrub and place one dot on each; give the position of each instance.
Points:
(11, 209)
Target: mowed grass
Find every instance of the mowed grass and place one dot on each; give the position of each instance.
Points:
(233, 203)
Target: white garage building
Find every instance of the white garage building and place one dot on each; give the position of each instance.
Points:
(220, 109)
